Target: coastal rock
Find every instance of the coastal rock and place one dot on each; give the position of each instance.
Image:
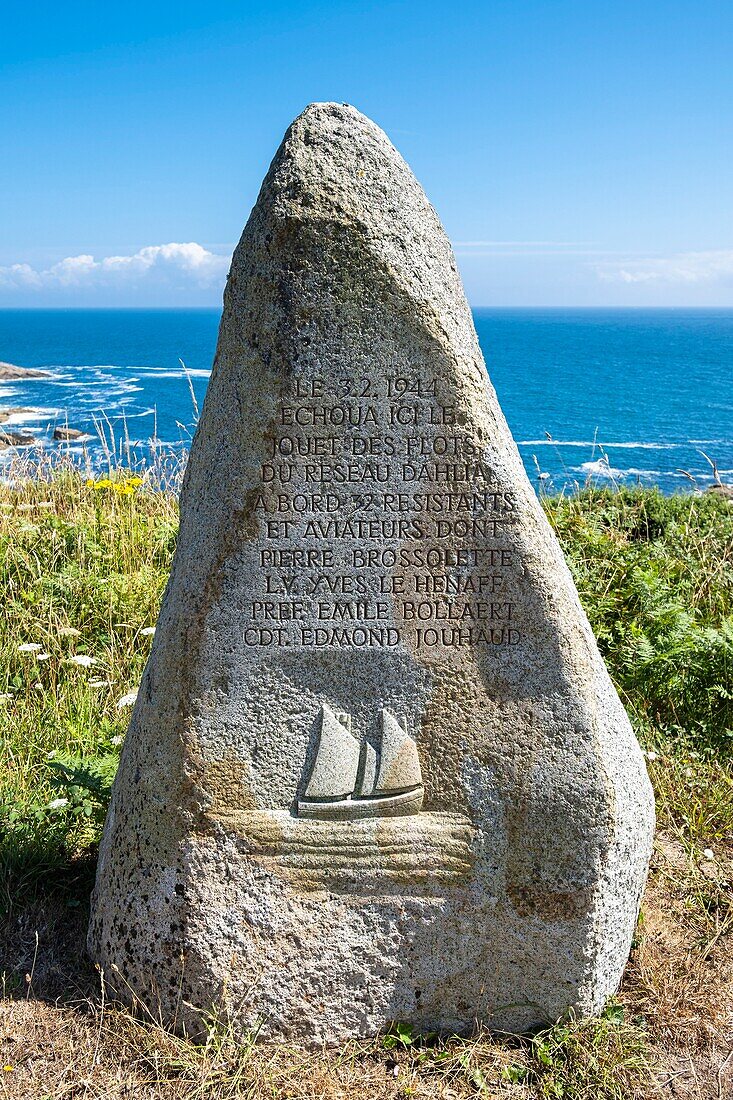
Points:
(376, 769)
(722, 490)
(6, 414)
(9, 370)
(67, 435)
(15, 439)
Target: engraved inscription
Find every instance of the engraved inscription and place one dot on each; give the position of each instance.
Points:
(381, 523)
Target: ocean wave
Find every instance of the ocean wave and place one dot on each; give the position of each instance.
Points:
(30, 416)
(599, 443)
(115, 385)
(176, 374)
(120, 412)
(134, 415)
(144, 370)
(603, 469)
(174, 444)
(65, 367)
(103, 396)
(599, 468)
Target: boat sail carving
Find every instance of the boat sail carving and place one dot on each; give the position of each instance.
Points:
(351, 780)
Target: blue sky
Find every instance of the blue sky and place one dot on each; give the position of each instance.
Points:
(578, 153)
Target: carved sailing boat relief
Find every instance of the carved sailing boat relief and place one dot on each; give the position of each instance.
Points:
(352, 779)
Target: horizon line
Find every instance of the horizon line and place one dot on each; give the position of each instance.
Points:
(219, 308)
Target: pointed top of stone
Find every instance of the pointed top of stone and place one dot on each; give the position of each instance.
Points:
(338, 175)
(334, 160)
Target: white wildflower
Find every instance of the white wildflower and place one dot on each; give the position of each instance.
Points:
(58, 803)
(43, 657)
(652, 755)
(148, 630)
(127, 700)
(117, 739)
(82, 659)
(69, 632)
(708, 853)
(29, 647)
(689, 773)
(100, 683)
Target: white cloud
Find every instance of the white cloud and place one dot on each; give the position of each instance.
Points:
(162, 264)
(20, 275)
(685, 267)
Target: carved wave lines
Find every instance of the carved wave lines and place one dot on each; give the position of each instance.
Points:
(428, 849)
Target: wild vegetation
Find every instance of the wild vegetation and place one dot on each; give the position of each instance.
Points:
(84, 563)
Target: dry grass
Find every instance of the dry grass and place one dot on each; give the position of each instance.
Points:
(669, 1035)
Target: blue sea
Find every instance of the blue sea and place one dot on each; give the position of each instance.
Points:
(613, 396)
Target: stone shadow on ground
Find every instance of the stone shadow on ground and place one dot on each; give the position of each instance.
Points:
(43, 926)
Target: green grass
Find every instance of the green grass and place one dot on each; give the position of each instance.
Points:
(655, 576)
(83, 570)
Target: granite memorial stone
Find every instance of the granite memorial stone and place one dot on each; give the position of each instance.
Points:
(376, 769)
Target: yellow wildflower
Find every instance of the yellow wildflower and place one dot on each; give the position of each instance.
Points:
(124, 486)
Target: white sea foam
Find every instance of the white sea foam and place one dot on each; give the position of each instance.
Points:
(30, 416)
(598, 443)
(175, 444)
(600, 468)
(137, 415)
(87, 384)
(87, 366)
(176, 374)
(48, 376)
(102, 395)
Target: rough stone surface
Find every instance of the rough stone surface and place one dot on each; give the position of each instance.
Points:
(67, 435)
(9, 370)
(358, 538)
(15, 439)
